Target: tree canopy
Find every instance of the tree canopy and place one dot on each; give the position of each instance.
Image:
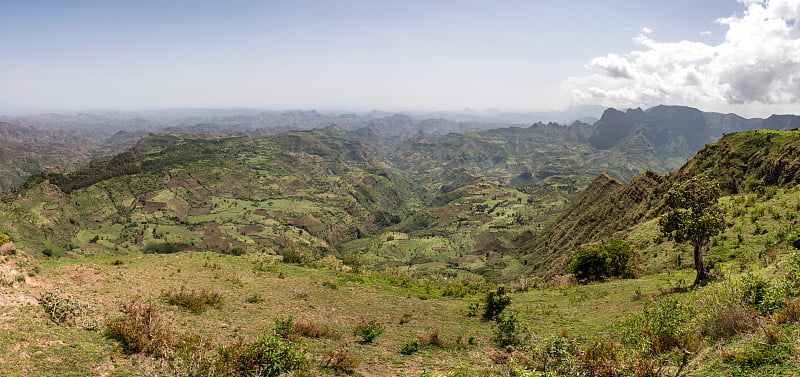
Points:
(694, 217)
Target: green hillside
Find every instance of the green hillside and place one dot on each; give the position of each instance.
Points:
(311, 190)
(162, 261)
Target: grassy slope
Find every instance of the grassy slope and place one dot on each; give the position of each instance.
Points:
(33, 345)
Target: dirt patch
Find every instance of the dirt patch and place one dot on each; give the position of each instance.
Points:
(215, 239)
(152, 207)
(305, 222)
(79, 274)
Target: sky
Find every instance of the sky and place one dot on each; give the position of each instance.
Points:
(717, 55)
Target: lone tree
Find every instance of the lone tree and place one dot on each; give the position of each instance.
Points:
(694, 217)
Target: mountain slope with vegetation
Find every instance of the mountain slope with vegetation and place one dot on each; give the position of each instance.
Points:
(748, 161)
(167, 260)
(307, 189)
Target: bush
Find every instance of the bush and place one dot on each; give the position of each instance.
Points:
(410, 348)
(140, 329)
(267, 356)
(612, 258)
(4, 238)
(794, 241)
(601, 358)
(288, 328)
(340, 361)
(311, 330)
(297, 255)
(662, 325)
(195, 300)
(235, 251)
(509, 332)
(368, 330)
(495, 303)
(61, 309)
(254, 299)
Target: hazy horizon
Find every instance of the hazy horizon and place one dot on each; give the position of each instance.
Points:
(726, 56)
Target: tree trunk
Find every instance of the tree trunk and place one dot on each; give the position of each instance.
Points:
(702, 274)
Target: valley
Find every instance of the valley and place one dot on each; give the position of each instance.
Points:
(181, 251)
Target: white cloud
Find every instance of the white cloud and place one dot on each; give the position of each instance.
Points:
(647, 30)
(706, 33)
(756, 68)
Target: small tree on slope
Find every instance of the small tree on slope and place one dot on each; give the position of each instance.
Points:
(694, 217)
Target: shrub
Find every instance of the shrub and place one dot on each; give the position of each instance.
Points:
(435, 340)
(140, 329)
(340, 361)
(410, 348)
(662, 325)
(723, 311)
(495, 303)
(288, 328)
(4, 238)
(235, 251)
(62, 309)
(473, 308)
(195, 300)
(612, 258)
(790, 313)
(267, 356)
(509, 332)
(297, 255)
(368, 330)
(254, 299)
(601, 358)
(311, 330)
(284, 327)
(794, 241)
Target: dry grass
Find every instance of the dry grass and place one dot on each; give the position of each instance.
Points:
(140, 329)
(195, 300)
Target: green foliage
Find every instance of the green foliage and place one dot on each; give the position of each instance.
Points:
(794, 241)
(160, 248)
(4, 238)
(612, 258)
(410, 348)
(297, 255)
(236, 251)
(195, 300)
(662, 325)
(368, 330)
(61, 309)
(767, 299)
(267, 356)
(694, 217)
(755, 291)
(495, 303)
(509, 332)
(754, 357)
(284, 327)
(254, 299)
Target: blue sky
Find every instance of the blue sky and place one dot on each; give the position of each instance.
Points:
(346, 55)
